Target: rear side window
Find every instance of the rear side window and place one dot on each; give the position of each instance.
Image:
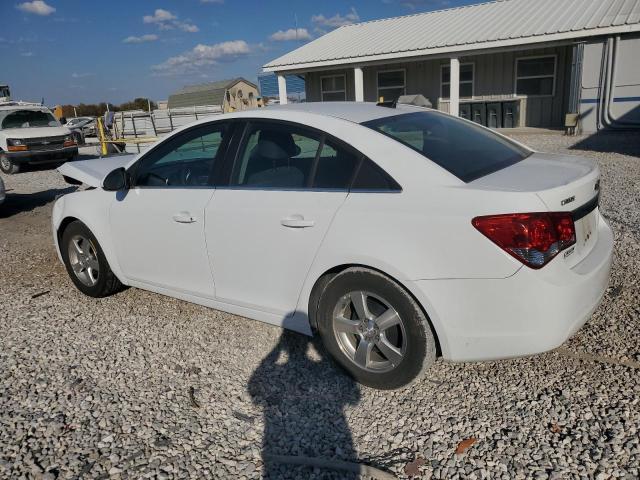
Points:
(371, 177)
(335, 167)
(462, 148)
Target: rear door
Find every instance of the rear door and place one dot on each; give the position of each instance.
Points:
(263, 229)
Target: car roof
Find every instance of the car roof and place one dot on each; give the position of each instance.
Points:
(357, 112)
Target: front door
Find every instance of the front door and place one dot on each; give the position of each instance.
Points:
(265, 228)
(158, 224)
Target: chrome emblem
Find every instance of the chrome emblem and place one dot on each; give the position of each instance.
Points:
(45, 142)
(568, 200)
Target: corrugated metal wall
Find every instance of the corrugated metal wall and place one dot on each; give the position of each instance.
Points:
(494, 75)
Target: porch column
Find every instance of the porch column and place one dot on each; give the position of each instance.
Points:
(282, 89)
(454, 86)
(358, 80)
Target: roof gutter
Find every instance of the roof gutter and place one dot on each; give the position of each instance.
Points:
(455, 49)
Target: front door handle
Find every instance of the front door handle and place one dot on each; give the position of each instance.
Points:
(184, 217)
(297, 221)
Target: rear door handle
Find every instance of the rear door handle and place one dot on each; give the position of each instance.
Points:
(184, 217)
(297, 221)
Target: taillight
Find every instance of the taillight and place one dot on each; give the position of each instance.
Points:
(532, 238)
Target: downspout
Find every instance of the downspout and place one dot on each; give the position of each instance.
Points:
(609, 89)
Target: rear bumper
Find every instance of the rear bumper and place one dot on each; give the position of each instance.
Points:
(530, 312)
(35, 156)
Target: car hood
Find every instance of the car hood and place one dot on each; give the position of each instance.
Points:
(92, 172)
(34, 132)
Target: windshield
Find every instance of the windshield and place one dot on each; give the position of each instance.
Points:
(29, 118)
(462, 148)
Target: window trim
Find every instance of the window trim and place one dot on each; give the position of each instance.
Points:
(533, 57)
(241, 137)
(343, 91)
(472, 81)
(403, 86)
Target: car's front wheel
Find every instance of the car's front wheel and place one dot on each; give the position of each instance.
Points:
(7, 165)
(375, 329)
(85, 261)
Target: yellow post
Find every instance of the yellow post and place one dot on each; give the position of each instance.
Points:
(101, 136)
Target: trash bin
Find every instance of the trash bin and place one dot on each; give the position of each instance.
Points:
(465, 111)
(494, 115)
(479, 113)
(510, 114)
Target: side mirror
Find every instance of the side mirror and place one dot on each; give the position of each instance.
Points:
(117, 180)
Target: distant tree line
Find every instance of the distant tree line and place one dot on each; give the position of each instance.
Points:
(98, 109)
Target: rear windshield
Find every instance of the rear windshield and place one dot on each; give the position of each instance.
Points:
(29, 118)
(462, 148)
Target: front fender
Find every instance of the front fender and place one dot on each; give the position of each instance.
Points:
(91, 207)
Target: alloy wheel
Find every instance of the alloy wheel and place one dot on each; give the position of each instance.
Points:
(84, 260)
(369, 331)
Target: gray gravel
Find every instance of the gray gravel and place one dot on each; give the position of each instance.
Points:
(143, 386)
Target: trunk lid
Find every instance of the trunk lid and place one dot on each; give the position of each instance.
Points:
(92, 172)
(564, 183)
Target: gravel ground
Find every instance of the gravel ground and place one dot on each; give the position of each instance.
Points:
(143, 386)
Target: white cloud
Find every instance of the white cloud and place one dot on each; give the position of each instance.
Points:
(291, 34)
(37, 7)
(165, 20)
(187, 27)
(202, 56)
(27, 54)
(159, 16)
(337, 20)
(219, 2)
(141, 39)
(81, 75)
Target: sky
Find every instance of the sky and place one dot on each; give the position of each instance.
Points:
(89, 51)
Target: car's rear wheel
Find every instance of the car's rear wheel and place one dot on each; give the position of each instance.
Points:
(85, 262)
(375, 329)
(7, 165)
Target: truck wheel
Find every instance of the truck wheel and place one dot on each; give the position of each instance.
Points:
(375, 330)
(7, 166)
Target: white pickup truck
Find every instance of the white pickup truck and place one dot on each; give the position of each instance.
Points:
(30, 134)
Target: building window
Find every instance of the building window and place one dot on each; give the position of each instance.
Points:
(391, 84)
(333, 88)
(466, 80)
(536, 76)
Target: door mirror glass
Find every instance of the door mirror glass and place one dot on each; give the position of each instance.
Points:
(116, 180)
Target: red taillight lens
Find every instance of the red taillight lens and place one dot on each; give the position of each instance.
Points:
(532, 238)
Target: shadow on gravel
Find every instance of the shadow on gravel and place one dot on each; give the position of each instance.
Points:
(25, 202)
(303, 395)
(624, 143)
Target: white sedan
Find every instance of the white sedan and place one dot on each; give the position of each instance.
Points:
(397, 234)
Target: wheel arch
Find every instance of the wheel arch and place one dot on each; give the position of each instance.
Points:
(323, 279)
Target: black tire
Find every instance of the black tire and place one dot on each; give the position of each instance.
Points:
(106, 283)
(413, 334)
(8, 166)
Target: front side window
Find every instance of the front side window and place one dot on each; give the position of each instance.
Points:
(391, 85)
(333, 88)
(466, 80)
(29, 118)
(183, 161)
(464, 149)
(536, 76)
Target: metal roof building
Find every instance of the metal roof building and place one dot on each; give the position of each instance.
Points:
(453, 56)
(222, 93)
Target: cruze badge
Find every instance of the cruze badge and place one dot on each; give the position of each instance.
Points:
(568, 200)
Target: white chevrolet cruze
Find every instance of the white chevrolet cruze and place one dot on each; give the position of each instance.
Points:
(397, 234)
